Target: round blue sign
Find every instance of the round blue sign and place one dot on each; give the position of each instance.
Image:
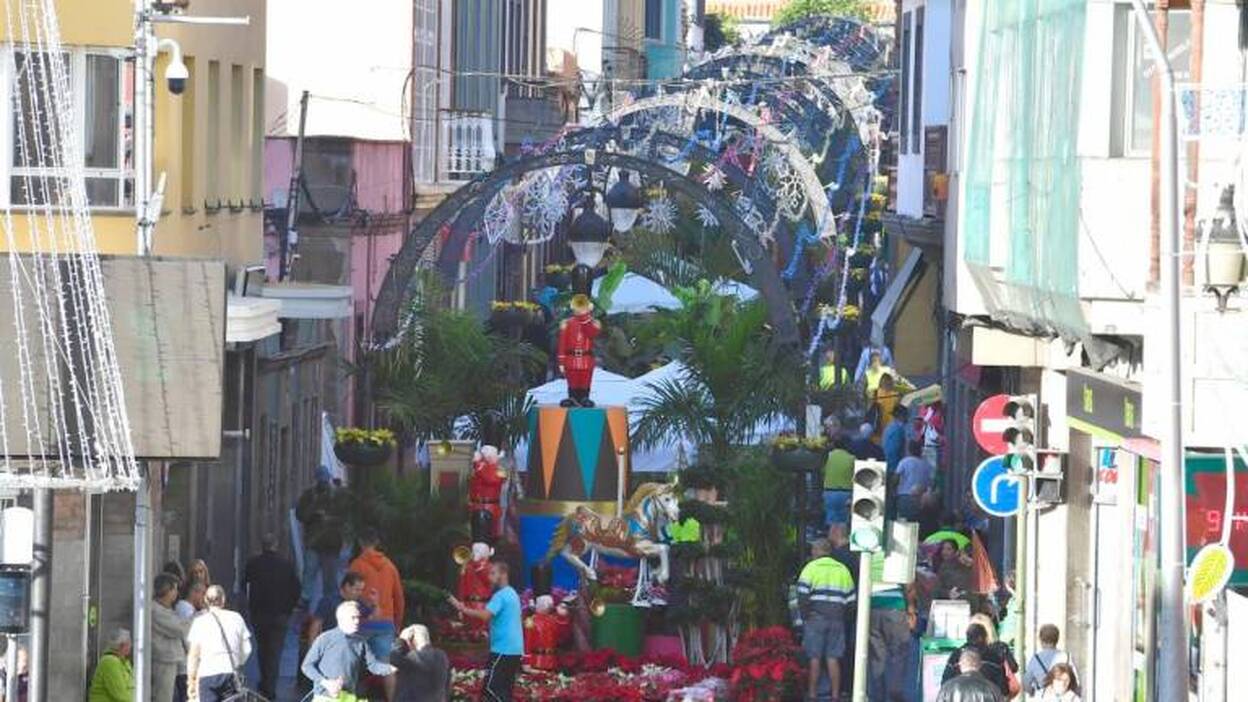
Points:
(995, 490)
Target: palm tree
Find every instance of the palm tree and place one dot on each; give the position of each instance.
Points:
(735, 377)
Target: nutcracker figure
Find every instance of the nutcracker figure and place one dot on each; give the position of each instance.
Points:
(575, 351)
(545, 632)
(474, 588)
(485, 490)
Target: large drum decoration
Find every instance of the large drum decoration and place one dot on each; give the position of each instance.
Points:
(574, 458)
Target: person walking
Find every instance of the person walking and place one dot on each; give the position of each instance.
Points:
(1060, 685)
(969, 685)
(383, 591)
(339, 656)
(838, 476)
(894, 616)
(502, 613)
(825, 589)
(893, 439)
(992, 664)
(198, 572)
(320, 513)
(272, 594)
(113, 680)
(219, 645)
(863, 448)
(424, 672)
(168, 639)
(914, 482)
(1042, 661)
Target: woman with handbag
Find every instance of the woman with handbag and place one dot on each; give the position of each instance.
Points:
(219, 645)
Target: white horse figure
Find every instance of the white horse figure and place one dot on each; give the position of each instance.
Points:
(637, 534)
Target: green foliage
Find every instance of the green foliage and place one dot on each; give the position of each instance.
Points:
(735, 378)
(417, 530)
(449, 367)
(719, 31)
(630, 345)
(800, 9)
(759, 495)
(610, 283)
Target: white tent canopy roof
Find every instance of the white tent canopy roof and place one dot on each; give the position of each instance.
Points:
(638, 294)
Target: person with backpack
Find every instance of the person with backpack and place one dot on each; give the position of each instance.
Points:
(1042, 661)
(993, 659)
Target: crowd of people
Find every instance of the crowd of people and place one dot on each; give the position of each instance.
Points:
(354, 644)
(952, 563)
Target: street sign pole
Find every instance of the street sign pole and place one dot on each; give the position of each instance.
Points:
(1020, 568)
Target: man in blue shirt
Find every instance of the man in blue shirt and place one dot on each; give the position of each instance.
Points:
(502, 613)
(894, 438)
(337, 658)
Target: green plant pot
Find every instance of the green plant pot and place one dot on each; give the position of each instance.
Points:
(620, 629)
(798, 460)
(362, 455)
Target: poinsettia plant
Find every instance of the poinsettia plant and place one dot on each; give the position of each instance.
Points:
(765, 665)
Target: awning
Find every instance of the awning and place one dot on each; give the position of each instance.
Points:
(250, 319)
(310, 300)
(890, 304)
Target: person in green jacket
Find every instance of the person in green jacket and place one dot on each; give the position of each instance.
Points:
(113, 680)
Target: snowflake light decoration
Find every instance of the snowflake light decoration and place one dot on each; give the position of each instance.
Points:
(713, 177)
(707, 218)
(660, 216)
(499, 221)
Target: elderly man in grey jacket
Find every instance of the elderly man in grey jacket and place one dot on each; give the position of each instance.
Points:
(168, 639)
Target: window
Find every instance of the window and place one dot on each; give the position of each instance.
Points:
(212, 179)
(916, 98)
(238, 136)
(257, 134)
(654, 19)
(103, 109)
(904, 111)
(1136, 95)
(187, 167)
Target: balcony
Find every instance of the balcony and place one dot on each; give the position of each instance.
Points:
(467, 145)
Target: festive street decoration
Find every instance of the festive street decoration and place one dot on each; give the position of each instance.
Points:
(575, 352)
(485, 489)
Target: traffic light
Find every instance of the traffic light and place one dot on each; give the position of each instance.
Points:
(866, 525)
(1020, 433)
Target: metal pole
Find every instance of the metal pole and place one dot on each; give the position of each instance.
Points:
(10, 668)
(862, 628)
(40, 596)
(141, 654)
(291, 237)
(1172, 661)
(1020, 566)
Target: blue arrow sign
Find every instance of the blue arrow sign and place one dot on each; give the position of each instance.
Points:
(995, 489)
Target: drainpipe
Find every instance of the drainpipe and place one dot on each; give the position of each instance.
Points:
(1162, 24)
(1193, 146)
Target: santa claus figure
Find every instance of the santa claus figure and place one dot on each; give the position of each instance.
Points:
(545, 632)
(575, 351)
(485, 490)
(474, 588)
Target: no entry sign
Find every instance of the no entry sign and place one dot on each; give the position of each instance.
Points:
(989, 422)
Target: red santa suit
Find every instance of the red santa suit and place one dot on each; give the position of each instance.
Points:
(575, 352)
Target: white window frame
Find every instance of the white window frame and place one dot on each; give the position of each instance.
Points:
(123, 173)
(1130, 59)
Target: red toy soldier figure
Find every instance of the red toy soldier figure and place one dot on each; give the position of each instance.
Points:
(485, 488)
(545, 632)
(474, 588)
(576, 351)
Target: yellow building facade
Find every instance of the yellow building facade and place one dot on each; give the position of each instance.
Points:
(209, 140)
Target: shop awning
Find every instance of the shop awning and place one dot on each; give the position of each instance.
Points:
(894, 296)
(250, 319)
(310, 300)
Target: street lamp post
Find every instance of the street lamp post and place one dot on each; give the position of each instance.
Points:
(588, 238)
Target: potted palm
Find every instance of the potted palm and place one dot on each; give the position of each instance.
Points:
(363, 448)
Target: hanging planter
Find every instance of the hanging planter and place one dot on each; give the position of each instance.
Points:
(363, 448)
(512, 316)
(795, 454)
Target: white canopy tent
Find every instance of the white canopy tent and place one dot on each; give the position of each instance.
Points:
(638, 294)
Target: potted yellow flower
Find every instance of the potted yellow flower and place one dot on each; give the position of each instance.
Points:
(363, 448)
(797, 453)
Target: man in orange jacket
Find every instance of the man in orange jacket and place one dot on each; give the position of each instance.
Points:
(383, 589)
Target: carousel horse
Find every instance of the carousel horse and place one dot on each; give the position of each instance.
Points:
(635, 535)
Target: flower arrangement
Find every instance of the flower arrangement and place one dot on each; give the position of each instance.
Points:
(358, 436)
(851, 312)
(765, 666)
(507, 305)
(556, 268)
(789, 441)
(594, 676)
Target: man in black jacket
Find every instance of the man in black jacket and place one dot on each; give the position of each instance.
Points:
(272, 593)
(969, 685)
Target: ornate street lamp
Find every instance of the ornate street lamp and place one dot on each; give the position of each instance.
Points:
(624, 204)
(1223, 251)
(588, 239)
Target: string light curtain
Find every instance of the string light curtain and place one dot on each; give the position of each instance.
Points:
(63, 419)
(1020, 232)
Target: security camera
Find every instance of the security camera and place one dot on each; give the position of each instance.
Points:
(177, 75)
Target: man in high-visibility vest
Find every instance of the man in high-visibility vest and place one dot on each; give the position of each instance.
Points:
(824, 591)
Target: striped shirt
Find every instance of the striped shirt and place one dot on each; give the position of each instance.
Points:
(825, 587)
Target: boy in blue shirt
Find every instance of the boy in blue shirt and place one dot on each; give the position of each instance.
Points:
(502, 613)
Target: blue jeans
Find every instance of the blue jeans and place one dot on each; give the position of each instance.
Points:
(836, 506)
(380, 635)
(909, 507)
(326, 564)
